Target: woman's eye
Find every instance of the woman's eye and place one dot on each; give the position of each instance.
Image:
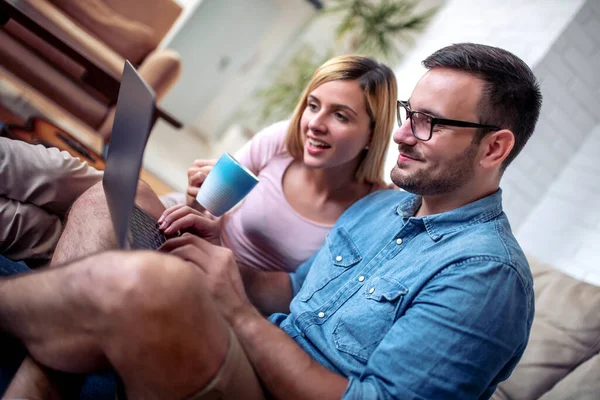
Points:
(312, 106)
(341, 117)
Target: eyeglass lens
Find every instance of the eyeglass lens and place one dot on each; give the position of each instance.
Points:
(420, 123)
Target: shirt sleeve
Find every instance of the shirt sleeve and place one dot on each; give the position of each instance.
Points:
(267, 143)
(463, 333)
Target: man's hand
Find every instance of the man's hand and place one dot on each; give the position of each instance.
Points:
(186, 219)
(221, 273)
(196, 176)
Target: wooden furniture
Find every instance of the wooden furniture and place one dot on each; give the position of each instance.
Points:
(41, 131)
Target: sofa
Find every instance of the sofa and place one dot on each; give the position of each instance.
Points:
(106, 32)
(562, 359)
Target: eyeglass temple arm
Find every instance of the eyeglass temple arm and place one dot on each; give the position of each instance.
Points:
(463, 124)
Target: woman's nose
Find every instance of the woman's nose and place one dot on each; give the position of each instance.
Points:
(317, 122)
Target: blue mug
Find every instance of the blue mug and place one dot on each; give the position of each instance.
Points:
(225, 185)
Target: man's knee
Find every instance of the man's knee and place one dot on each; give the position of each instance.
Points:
(148, 200)
(143, 189)
(126, 285)
(87, 229)
(150, 306)
(91, 201)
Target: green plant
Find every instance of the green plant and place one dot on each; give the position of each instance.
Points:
(280, 98)
(378, 27)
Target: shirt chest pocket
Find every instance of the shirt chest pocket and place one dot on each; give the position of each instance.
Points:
(368, 317)
(340, 255)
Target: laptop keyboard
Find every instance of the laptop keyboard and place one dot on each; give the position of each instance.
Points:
(144, 231)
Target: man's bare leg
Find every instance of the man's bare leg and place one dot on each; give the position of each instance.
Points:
(89, 229)
(146, 314)
(34, 382)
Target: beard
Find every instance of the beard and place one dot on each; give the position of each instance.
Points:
(445, 179)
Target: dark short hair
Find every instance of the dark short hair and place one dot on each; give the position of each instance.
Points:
(511, 94)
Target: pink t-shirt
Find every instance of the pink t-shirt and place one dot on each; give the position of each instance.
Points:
(264, 231)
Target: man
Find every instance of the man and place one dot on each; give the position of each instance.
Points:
(423, 294)
(33, 201)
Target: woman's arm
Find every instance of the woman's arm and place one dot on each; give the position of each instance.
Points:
(270, 292)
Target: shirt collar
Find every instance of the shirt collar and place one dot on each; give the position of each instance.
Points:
(438, 225)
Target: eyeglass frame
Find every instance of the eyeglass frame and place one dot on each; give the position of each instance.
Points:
(435, 120)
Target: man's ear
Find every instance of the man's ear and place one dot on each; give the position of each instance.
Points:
(496, 147)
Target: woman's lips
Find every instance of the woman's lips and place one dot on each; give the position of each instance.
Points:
(314, 150)
(317, 146)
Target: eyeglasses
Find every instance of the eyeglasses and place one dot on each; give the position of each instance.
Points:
(422, 123)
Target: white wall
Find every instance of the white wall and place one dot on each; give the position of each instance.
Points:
(569, 81)
(564, 227)
(558, 178)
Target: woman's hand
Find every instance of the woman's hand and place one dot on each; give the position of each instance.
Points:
(186, 219)
(196, 176)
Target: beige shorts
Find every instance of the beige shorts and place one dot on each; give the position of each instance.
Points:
(235, 380)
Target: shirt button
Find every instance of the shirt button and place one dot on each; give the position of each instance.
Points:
(398, 241)
(361, 278)
(338, 258)
(321, 314)
(371, 290)
(303, 334)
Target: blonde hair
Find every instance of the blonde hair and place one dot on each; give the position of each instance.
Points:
(379, 87)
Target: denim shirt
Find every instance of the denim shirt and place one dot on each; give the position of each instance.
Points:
(435, 307)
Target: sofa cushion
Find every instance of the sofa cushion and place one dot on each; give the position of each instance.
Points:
(565, 333)
(131, 39)
(581, 384)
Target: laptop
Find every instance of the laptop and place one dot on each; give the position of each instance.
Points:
(134, 228)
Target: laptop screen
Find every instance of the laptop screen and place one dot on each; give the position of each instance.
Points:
(133, 120)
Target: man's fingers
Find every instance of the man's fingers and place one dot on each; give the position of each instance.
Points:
(203, 252)
(192, 254)
(180, 241)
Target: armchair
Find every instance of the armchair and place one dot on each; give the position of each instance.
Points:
(104, 32)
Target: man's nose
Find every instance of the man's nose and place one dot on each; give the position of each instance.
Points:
(403, 134)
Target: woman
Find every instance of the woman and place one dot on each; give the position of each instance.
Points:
(311, 169)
